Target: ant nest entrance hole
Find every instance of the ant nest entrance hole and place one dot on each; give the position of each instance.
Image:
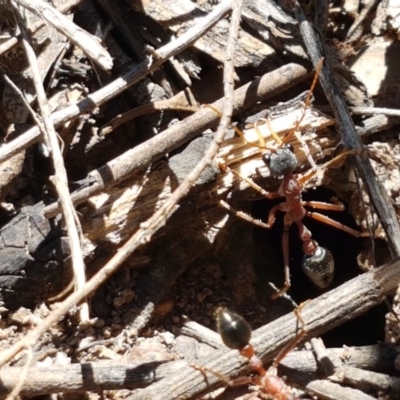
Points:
(345, 248)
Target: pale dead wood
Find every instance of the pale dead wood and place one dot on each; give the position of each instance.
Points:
(333, 308)
(374, 357)
(88, 43)
(377, 123)
(355, 32)
(367, 381)
(391, 112)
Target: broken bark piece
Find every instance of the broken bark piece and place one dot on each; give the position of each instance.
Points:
(367, 381)
(179, 16)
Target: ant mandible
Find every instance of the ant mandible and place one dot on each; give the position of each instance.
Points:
(236, 332)
(318, 262)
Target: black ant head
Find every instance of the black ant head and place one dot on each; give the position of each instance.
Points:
(320, 267)
(235, 331)
(281, 161)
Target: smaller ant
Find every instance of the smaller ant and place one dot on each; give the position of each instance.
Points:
(318, 262)
(236, 332)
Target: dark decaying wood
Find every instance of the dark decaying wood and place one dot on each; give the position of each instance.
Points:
(34, 259)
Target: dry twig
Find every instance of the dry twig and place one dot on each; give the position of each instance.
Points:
(60, 179)
(22, 376)
(88, 43)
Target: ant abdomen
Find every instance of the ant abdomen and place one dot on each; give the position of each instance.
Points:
(235, 331)
(320, 267)
(281, 161)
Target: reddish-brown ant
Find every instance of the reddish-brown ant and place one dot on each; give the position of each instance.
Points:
(318, 263)
(235, 332)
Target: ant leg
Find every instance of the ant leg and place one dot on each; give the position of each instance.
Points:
(308, 175)
(307, 101)
(249, 181)
(285, 247)
(336, 224)
(272, 213)
(239, 132)
(242, 380)
(244, 216)
(272, 383)
(248, 218)
(359, 151)
(320, 205)
(295, 341)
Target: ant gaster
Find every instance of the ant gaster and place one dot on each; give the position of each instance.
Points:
(236, 332)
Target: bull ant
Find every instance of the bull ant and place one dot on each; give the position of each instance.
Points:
(318, 262)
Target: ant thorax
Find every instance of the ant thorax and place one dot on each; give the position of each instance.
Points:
(281, 161)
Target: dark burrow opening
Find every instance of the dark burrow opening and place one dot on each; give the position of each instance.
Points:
(366, 329)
